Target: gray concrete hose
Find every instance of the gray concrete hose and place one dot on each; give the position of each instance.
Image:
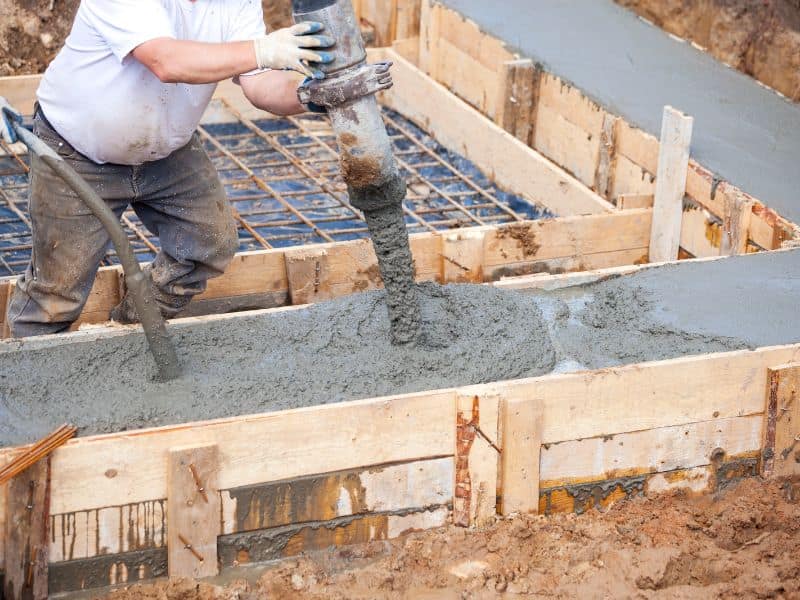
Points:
(368, 165)
(139, 285)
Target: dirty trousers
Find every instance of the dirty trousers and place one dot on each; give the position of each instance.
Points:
(179, 198)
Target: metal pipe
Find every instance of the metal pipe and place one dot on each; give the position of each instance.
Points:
(139, 285)
(368, 165)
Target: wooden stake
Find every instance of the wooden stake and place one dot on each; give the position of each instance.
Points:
(521, 453)
(519, 91)
(193, 511)
(735, 223)
(26, 533)
(477, 455)
(604, 175)
(781, 455)
(673, 165)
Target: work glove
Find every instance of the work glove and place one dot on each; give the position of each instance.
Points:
(318, 96)
(288, 49)
(8, 115)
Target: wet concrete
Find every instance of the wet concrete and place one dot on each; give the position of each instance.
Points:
(743, 132)
(340, 350)
(387, 228)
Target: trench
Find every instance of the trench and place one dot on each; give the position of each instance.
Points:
(340, 350)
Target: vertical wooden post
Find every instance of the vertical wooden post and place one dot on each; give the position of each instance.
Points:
(604, 175)
(781, 454)
(521, 453)
(382, 15)
(26, 533)
(673, 164)
(430, 15)
(477, 457)
(193, 511)
(519, 95)
(735, 222)
(407, 19)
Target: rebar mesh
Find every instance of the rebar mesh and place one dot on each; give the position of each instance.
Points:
(283, 180)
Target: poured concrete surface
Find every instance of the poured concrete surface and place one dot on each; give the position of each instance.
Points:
(340, 350)
(743, 132)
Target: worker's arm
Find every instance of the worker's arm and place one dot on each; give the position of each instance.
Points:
(277, 91)
(274, 91)
(183, 61)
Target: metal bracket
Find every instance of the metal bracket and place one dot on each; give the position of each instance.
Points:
(351, 84)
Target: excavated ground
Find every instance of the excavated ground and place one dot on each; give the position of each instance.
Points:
(33, 31)
(744, 543)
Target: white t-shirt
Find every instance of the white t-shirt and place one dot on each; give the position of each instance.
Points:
(112, 108)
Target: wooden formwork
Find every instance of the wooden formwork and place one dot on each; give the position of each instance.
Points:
(125, 506)
(601, 149)
(592, 233)
(604, 237)
(193, 498)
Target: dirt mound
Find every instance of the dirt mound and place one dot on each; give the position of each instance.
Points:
(758, 37)
(33, 31)
(744, 544)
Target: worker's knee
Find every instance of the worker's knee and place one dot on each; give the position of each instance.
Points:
(33, 311)
(223, 242)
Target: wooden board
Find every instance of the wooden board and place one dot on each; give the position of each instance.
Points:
(193, 509)
(673, 163)
(782, 422)
(511, 163)
(510, 247)
(631, 201)
(408, 486)
(520, 458)
(648, 395)
(336, 437)
(27, 515)
(141, 527)
(648, 451)
(519, 90)
(477, 455)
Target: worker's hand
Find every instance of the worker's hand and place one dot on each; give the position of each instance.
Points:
(289, 49)
(369, 79)
(8, 115)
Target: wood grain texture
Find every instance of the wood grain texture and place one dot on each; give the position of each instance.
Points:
(477, 457)
(27, 515)
(392, 429)
(193, 510)
(673, 164)
(510, 162)
(782, 422)
(649, 451)
(522, 441)
(519, 91)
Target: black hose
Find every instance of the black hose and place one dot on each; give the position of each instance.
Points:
(139, 285)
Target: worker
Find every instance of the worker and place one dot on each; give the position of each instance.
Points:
(121, 103)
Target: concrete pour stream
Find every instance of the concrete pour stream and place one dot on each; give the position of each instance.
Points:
(340, 350)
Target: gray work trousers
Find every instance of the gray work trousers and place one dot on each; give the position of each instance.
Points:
(179, 198)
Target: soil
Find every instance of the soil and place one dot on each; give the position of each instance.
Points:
(758, 37)
(33, 31)
(742, 543)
